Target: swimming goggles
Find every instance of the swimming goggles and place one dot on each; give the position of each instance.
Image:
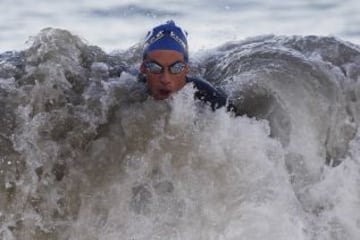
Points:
(156, 68)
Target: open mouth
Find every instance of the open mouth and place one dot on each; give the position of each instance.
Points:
(164, 92)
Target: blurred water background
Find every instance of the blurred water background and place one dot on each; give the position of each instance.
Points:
(114, 25)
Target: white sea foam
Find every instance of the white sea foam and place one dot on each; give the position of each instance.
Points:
(94, 157)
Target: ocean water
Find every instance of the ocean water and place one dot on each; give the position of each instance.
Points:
(114, 25)
(85, 154)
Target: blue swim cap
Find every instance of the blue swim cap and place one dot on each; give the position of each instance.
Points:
(167, 36)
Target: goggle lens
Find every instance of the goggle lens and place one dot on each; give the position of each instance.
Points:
(156, 68)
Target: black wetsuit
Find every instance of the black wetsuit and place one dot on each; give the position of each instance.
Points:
(208, 93)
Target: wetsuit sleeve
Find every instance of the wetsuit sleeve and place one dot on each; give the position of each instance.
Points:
(208, 93)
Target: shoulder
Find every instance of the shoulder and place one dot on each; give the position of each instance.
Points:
(208, 93)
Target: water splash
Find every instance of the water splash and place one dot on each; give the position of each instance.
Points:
(85, 154)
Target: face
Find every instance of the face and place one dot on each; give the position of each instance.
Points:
(162, 85)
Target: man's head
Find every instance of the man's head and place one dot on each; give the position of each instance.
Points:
(165, 58)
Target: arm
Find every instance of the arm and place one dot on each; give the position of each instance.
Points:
(208, 93)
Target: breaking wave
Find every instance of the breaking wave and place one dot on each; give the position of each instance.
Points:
(85, 154)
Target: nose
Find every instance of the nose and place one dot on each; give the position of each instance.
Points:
(165, 77)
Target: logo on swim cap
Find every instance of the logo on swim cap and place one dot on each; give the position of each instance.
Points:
(167, 36)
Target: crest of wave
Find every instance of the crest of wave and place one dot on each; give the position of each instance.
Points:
(187, 172)
(86, 155)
